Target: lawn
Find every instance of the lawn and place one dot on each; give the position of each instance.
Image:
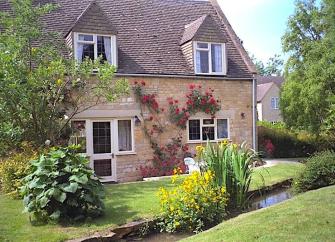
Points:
(306, 217)
(124, 203)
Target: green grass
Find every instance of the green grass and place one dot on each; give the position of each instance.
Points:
(306, 217)
(124, 203)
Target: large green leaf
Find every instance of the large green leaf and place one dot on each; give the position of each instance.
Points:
(80, 179)
(55, 215)
(72, 187)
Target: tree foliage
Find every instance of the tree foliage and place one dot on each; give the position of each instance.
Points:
(307, 98)
(40, 90)
(273, 67)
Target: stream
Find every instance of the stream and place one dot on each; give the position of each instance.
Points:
(264, 201)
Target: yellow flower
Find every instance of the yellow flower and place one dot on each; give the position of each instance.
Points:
(224, 142)
(235, 146)
(199, 149)
(59, 82)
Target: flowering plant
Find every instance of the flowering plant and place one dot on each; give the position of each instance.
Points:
(197, 101)
(193, 203)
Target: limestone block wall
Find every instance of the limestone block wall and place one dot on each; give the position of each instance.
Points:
(236, 105)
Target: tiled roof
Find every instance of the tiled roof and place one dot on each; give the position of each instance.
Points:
(203, 29)
(149, 33)
(278, 80)
(262, 89)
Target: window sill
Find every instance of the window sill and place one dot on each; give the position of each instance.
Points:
(126, 153)
(211, 74)
(205, 141)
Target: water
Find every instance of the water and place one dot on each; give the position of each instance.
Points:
(268, 199)
(271, 198)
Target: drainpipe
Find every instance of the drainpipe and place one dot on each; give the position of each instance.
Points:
(254, 112)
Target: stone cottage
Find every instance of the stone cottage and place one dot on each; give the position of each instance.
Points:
(168, 45)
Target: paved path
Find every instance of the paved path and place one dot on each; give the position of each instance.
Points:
(275, 161)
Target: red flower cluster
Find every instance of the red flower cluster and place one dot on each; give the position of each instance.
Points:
(196, 102)
(269, 147)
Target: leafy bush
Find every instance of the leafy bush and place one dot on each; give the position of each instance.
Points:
(286, 143)
(61, 187)
(193, 203)
(318, 172)
(10, 137)
(14, 168)
(231, 165)
(289, 143)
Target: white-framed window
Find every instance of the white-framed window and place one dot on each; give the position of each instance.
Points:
(275, 102)
(78, 135)
(125, 139)
(210, 58)
(101, 134)
(93, 46)
(203, 129)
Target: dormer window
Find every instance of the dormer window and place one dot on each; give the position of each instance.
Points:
(209, 58)
(93, 46)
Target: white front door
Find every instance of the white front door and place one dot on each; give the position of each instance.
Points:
(101, 147)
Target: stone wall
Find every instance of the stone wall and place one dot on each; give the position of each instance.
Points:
(236, 105)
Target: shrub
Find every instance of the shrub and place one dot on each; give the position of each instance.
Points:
(285, 143)
(290, 143)
(231, 165)
(61, 187)
(14, 168)
(193, 203)
(10, 137)
(318, 172)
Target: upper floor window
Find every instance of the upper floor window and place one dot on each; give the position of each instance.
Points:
(210, 58)
(93, 46)
(275, 102)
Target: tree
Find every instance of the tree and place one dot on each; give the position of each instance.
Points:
(40, 90)
(307, 94)
(273, 67)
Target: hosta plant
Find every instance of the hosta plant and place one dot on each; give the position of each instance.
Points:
(61, 187)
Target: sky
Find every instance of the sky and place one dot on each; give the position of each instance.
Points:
(260, 24)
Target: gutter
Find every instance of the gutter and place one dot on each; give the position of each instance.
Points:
(254, 113)
(185, 77)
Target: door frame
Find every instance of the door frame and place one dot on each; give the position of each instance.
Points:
(112, 155)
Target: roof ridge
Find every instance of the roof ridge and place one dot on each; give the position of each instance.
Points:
(251, 66)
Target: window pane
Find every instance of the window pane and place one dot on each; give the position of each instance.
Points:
(273, 105)
(202, 45)
(194, 129)
(208, 133)
(103, 167)
(202, 62)
(102, 46)
(78, 136)
(101, 137)
(85, 37)
(208, 121)
(85, 50)
(125, 141)
(222, 128)
(216, 58)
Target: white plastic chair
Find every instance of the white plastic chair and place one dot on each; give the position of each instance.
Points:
(192, 165)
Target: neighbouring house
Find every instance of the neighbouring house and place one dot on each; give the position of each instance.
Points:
(268, 96)
(168, 45)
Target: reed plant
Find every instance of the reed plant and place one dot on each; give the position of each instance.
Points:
(232, 166)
